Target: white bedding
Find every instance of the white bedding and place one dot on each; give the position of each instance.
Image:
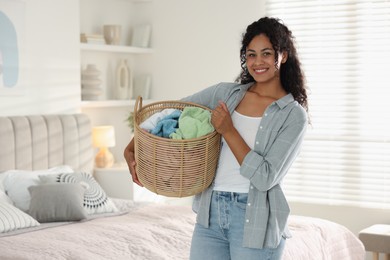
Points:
(156, 231)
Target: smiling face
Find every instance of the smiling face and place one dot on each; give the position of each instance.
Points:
(260, 60)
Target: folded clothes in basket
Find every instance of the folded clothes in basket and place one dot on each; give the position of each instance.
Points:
(150, 123)
(194, 122)
(167, 125)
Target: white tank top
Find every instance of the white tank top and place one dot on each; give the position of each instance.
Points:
(228, 177)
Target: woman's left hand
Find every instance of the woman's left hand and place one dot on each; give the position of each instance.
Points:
(221, 119)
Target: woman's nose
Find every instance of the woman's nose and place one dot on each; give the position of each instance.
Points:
(258, 60)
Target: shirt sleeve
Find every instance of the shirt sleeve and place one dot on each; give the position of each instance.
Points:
(267, 170)
(210, 96)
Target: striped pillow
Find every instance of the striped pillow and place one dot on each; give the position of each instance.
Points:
(12, 218)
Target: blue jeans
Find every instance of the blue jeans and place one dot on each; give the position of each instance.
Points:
(223, 239)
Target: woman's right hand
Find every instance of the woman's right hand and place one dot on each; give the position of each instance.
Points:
(130, 160)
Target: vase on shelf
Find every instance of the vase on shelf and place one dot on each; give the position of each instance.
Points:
(112, 34)
(123, 81)
(90, 83)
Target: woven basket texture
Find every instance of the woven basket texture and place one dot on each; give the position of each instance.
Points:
(170, 167)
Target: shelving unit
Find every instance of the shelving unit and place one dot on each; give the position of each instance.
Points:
(115, 49)
(108, 110)
(113, 52)
(129, 51)
(93, 16)
(112, 103)
(106, 103)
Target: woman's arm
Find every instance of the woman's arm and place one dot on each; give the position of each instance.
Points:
(130, 160)
(223, 124)
(267, 170)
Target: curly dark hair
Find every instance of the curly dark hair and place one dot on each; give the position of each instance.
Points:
(281, 38)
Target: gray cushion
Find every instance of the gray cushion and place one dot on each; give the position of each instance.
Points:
(57, 202)
(96, 200)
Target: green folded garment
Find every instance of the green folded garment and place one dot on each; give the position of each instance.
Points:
(193, 122)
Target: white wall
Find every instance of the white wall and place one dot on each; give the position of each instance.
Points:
(197, 43)
(50, 59)
(355, 218)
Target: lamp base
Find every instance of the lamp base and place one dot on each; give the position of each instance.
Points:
(104, 158)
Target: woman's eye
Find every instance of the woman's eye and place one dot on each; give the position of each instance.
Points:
(267, 54)
(250, 55)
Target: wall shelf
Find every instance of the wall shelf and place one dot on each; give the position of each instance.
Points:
(114, 48)
(112, 103)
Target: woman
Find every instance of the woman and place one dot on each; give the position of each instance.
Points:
(262, 120)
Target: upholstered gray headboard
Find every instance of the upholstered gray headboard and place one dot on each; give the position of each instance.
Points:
(44, 141)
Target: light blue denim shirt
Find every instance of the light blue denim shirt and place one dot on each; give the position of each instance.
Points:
(277, 144)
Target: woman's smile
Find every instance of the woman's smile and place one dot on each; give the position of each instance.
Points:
(260, 71)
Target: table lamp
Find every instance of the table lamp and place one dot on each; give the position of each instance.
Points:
(103, 137)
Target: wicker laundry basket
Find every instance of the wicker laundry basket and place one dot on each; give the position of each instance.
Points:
(170, 167)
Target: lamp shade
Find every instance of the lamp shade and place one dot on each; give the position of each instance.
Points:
(103, 136)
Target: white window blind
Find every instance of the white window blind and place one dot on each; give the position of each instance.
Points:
(344, 47)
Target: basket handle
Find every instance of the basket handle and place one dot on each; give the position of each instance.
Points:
(138, 105)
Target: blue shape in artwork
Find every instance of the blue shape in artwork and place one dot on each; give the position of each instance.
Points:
(9, 51)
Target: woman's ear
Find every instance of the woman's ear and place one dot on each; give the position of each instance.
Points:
(284, 56)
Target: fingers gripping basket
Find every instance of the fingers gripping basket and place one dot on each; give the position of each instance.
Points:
(170, 167)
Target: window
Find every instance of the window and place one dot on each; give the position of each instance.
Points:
(344, 47)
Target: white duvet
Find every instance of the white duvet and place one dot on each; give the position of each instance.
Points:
(151, 231)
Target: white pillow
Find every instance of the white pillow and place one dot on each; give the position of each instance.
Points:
(2, 177)
(4, 197)
(12, 218)
(16, 184)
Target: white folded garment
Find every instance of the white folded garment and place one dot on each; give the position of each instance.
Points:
(152, 121)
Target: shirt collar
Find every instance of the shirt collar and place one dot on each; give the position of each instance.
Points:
(284, 101)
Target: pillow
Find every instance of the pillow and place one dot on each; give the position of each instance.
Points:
(57, 202)
(95, 199)
(2, 177)
(5, 198)
(12, 218)
(16, 184)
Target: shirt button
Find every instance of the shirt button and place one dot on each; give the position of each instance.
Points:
(265, 114)
(249, 204)
(261, 127)
(247, 221)
(257, 142)
(251, 187)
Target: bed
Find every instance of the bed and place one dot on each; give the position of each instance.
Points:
(46, 165)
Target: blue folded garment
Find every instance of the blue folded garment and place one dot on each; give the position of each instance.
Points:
(167, 125)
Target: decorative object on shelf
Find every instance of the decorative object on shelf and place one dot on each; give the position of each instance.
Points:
(124, 81)
(112, 34)
(103, 137)
(141, 35)
(142, 85)
(90, 83)
(92, 38)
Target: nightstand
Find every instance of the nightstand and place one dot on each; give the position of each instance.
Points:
(377, 240)
(116, 181)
